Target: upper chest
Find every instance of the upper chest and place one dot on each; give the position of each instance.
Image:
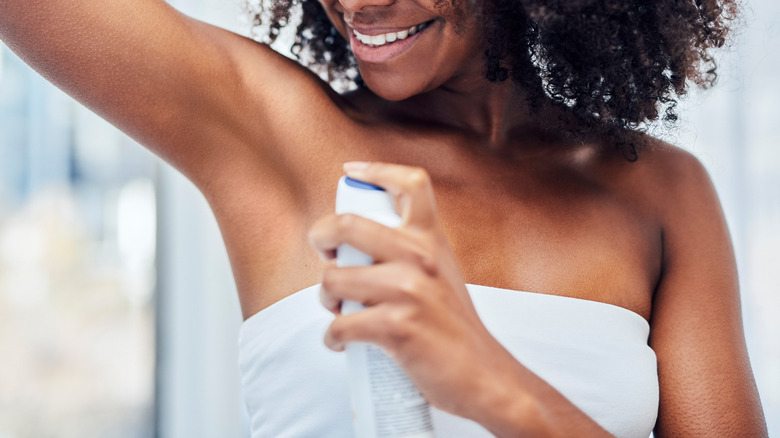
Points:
(556, 227)
(536, 225)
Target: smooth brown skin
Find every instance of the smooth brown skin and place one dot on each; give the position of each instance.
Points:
(264, 140)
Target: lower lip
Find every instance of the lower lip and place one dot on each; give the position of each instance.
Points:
(364, 52)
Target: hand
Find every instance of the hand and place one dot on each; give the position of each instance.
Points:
(417, 306)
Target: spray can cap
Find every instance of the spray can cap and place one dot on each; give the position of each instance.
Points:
(358, 197)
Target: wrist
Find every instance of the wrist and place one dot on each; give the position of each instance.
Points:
(504, 403)
(511, 401)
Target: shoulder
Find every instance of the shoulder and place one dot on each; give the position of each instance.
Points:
(667, 179)
(674, 167)
(706, 386)
(686, 201)
(676, 188)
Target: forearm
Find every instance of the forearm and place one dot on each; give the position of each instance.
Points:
(514, 402)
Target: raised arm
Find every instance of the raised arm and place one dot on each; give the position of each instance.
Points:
(707, 386)
(197, 95)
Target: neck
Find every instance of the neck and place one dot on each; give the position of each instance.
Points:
(496, 114)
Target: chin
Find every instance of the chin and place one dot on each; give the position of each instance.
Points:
(394, 87)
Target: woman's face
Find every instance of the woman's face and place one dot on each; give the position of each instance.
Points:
(407, 47)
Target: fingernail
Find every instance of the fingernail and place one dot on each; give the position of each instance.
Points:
(354, 166)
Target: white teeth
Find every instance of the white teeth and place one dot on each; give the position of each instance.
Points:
(365, 39)
(380, 40)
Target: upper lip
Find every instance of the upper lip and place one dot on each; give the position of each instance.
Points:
(378, 30)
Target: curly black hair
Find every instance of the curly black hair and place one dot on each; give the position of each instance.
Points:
(615, 64)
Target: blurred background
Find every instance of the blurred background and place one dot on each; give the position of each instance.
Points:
(118, 312)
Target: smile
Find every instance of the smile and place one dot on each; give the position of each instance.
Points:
(387, 38)
(385, 46)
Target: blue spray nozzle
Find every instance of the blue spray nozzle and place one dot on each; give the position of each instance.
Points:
(361, 185)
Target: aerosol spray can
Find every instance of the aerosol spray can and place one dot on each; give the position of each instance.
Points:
(385, 403)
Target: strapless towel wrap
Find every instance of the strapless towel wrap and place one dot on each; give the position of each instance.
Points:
(595, 354)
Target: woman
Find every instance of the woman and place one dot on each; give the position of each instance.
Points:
(506, 131)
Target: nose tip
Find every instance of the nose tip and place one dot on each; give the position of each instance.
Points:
(358, 5)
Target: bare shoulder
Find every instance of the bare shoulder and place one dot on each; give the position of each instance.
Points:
(668, 173)
(706, 383)
(668, 183)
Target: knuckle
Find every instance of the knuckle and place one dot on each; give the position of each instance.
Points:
(318, 228)
(412, 287)
(407, 287)
(314, 233)
(418, 178)
(425, 258)
(345, 222)
(330, 279)
(398, 327)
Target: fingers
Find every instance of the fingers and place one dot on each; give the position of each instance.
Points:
(387, 329)
(343, 329)
(357, 283)
(331, 231)
(371, 285)
(411, 185)
(396, 287)
(381, 243)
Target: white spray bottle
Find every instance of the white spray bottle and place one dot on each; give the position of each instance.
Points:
(385, 403)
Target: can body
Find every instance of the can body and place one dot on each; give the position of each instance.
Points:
(385, 402)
